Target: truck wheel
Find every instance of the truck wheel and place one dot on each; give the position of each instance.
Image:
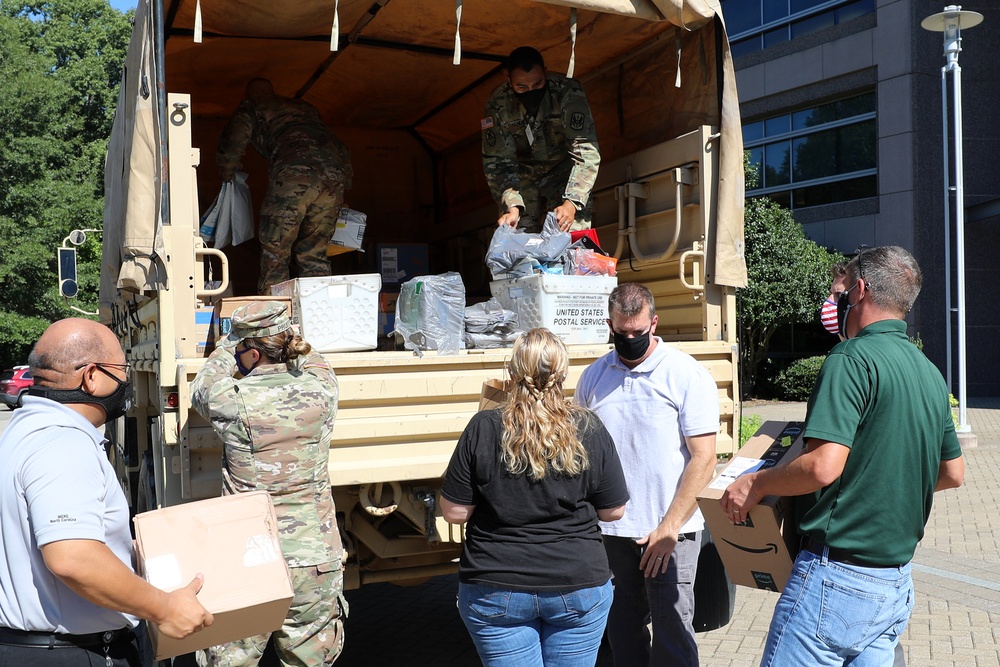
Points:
(20, 401)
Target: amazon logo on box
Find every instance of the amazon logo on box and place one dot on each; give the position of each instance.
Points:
(759, 552)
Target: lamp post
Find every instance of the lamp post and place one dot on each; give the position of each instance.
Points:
(950, 22)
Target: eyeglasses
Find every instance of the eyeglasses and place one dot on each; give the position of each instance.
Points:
(101, 365)
(860, 251)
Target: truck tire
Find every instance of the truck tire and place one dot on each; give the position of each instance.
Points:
(714, 593)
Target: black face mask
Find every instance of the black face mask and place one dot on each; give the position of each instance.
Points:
(631, 349)
(244, 371)
(843, 310)
(532, 99)
(115, 404)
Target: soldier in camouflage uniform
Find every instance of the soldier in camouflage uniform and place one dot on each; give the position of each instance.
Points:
(308, 170)
(275, 423)
(540, 149)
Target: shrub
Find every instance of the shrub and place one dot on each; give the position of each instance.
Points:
(796, 382)
(748, 426)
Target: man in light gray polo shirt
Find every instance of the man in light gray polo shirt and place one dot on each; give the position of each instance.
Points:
(662, 409)
(68, 590)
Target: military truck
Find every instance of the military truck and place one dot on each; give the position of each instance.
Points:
(403, 83)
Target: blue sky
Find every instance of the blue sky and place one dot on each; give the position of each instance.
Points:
(123, 5)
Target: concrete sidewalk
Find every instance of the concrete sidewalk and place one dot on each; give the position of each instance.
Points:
(956, 570)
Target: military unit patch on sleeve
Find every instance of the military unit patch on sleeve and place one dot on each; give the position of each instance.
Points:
(491, 138)
(486, 122)
(576, 121)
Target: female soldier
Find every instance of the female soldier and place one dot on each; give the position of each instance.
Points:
(275, 422)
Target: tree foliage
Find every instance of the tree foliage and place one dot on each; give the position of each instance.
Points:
(788, 279)
(60, 66)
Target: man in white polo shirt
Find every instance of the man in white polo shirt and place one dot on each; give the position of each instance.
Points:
(662, 409)
(68, 592)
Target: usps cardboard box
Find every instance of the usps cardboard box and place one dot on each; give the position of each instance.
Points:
(232, 541)
(759, 552)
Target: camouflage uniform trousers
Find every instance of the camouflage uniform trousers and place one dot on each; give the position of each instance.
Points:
(544, 197)
(298, 214)
(313, 632)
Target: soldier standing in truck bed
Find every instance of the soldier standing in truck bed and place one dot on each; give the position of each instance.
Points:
(540, 149)
(308, 170)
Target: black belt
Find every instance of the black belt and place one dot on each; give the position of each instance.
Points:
(96, 640)
(839, 555)
(686, 536)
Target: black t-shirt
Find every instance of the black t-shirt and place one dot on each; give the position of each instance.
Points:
(533, 535)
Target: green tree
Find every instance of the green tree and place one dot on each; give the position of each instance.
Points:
(59, 73)
(788, 279)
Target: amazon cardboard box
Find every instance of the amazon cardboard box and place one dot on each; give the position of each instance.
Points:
(232, 541)
(760, 551)
(224, 309)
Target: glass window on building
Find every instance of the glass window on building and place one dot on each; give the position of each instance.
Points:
(753, 25)
(819, 155)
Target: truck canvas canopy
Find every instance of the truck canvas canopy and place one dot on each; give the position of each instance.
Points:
(425, 68)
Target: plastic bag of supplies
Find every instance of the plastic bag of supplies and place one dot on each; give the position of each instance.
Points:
(430, 313)
(230, 217)
(509, 246)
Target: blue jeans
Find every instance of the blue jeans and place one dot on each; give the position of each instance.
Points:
(519, 629)
(831, 613)
(666, 601)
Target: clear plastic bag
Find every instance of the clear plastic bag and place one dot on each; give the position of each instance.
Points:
(510, 246)
(586, 262)
(430, 313)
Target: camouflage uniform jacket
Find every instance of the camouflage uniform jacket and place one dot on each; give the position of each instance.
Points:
(275, 425)
(287, 133)
(560, 140)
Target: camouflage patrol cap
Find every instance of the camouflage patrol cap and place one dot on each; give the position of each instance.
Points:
(258, 320)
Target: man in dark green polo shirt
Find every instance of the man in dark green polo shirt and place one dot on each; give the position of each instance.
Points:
(879, 442)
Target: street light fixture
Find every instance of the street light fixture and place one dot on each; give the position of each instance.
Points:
(950, 22)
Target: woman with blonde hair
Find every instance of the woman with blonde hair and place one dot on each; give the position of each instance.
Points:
(532, 478)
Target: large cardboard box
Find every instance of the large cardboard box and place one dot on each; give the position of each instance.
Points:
(760, 551)
(233, 542)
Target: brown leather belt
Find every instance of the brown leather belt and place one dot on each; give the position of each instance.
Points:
(839, 555)
(97, 640)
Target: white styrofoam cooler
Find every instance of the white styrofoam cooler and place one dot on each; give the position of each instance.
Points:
(335, 313)
(575, 308)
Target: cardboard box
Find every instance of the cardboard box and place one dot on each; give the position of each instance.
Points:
(335, 313)
(224, 309)
(205, 331)
(232, 541)
(759, 552)
(400, 262)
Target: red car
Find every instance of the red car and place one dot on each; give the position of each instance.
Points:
(13, 385)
